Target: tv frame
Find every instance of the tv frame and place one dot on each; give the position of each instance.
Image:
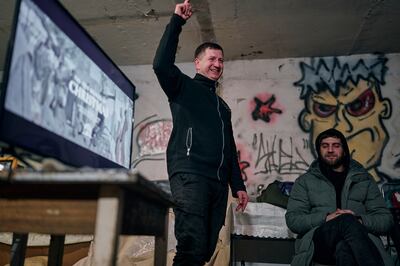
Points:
(67, 151)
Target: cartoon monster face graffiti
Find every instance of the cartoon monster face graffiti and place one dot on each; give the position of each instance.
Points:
(356, 108)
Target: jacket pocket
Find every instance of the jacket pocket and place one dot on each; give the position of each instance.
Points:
(189, 140)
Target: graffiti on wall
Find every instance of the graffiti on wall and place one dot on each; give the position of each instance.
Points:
(277, 119)
(264, 110)
(339, 92)
(273, 156)
(152, 139)
(345, 93)
(243, 165)
(270, 158)
(265, 157)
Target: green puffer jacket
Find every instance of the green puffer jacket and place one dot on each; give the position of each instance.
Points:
(313, 196)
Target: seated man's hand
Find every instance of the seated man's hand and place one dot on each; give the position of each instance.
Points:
(336, 213)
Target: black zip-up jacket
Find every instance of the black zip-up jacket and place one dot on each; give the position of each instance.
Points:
(202, 140)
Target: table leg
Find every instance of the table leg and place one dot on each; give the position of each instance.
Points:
(108, 226)
(232, 251)
(18, 249)
(161, 245)
(56, 250)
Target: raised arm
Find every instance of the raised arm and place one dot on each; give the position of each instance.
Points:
(164, 66)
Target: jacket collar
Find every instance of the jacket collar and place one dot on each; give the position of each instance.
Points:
(212, 84)
(356, 171)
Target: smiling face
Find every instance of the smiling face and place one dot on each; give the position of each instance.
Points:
(210, 63)
(357, 112)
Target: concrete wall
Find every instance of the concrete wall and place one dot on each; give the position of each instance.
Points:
(274, 131)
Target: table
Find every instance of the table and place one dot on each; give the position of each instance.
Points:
(105, 203)
(260, 234)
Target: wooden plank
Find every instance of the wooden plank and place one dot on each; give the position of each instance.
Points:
(48, 216)
(108, 225)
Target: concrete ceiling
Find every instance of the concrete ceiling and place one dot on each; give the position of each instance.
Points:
(129, 30)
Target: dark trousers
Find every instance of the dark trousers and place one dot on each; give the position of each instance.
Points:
(199, 215)
(344, 241)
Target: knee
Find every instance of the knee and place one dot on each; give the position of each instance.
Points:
(342, 247)
(350, 223)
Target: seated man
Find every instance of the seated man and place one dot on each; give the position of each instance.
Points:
(337, 209)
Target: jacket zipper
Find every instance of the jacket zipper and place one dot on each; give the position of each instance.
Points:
(223, 138)
(346, 188)
(189, 140)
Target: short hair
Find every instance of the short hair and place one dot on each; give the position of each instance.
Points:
(202, 47)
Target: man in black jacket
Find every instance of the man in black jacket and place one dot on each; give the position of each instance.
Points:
(201, 153)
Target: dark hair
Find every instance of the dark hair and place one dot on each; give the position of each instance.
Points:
(202, 47)
(328, 134)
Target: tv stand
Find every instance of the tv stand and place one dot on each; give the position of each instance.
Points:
(105, 203)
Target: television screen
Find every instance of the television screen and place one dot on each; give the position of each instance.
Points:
(62, 96)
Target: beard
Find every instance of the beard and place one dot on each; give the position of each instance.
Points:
(334, 163)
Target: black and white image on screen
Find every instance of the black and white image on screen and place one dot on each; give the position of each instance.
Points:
(53, 84)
